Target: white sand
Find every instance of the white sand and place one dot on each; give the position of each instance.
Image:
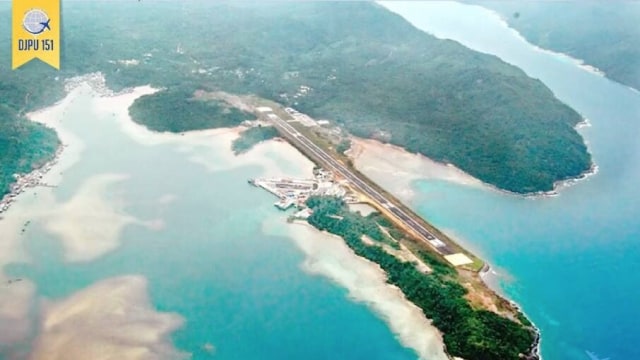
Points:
(210, 148)
(28, 205)
(395, 169)
(112, 319)
(16, 300)
(91, 222)
(329, 256)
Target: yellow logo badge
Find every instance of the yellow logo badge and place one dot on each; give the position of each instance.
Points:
(36, 32)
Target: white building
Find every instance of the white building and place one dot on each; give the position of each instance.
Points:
(264, 109)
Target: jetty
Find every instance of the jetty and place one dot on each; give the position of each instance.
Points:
(293, 192)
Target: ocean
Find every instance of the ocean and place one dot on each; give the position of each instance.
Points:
(572, 260)
(213, 250)
(216, 253)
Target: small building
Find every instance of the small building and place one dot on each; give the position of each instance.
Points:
(458, 259)
(264, 109)
(303, 214)
(284, 203)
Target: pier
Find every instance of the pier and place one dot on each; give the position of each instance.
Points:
(295, 192)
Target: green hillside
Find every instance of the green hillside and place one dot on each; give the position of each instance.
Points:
(24, 145)
(366, 68)
(604, 35)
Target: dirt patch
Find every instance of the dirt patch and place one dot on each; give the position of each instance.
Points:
(481, 297)
(244, 103)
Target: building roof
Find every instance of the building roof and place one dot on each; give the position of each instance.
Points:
(458, 259)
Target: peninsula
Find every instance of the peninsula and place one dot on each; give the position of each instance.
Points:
(505, 332)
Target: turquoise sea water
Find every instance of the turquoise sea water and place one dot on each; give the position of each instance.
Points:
(238, 289)
(571, 261)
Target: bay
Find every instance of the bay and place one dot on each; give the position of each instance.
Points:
(572, 260)
(198, 238)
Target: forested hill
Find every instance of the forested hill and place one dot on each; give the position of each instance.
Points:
(367, 68)
(603, 34)
(24, 145)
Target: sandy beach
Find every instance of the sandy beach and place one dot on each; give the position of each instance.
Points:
(90, 223)
(112, 319)
(32, 203)
(96, 320)
(209, 148)
(327, 255)
(396, 169)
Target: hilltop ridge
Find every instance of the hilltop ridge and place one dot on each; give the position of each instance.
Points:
(355, 63)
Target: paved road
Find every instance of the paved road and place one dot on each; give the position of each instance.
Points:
(407, 219)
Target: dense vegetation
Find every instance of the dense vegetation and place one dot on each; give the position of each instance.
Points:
(253, 136)
(367, 68)
(605, 36)
(468, 333)
(176, 110)
(23, 144)
(343, 146)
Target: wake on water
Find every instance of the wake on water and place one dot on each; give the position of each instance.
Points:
(593, 356)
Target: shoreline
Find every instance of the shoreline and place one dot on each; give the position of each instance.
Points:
(112, 318)
(535, 349)
(560, 184)
(329, 256)
(34, 178)
(193, 139)
(582, 64)
(297, 164)
(405, 163)
(20, 300)
(448, 172)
